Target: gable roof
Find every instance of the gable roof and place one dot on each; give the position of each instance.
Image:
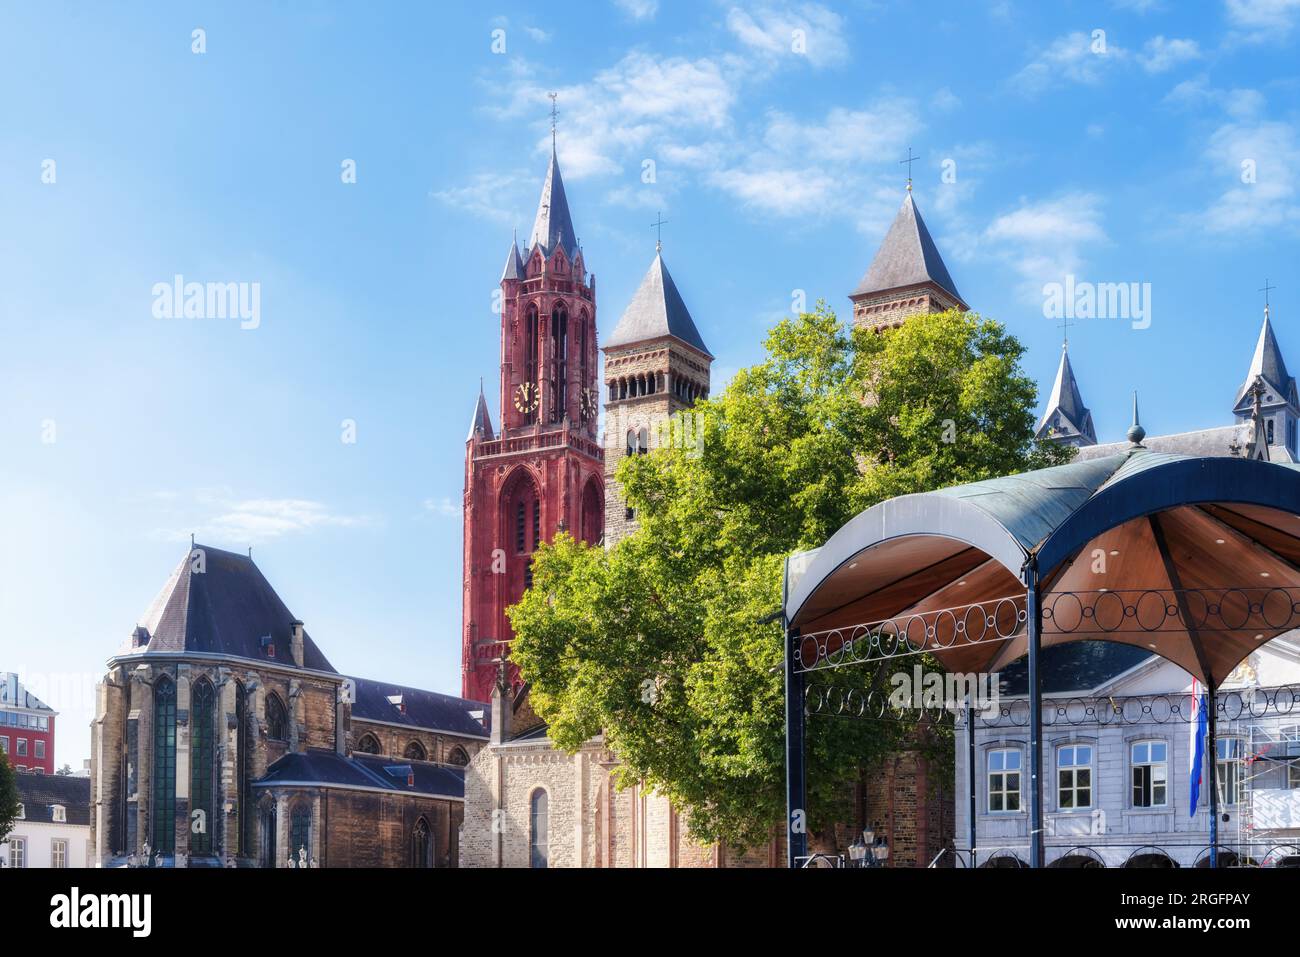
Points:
(38, 792)
(427, 710)
(907, 257)
(553, 226)
(1067, 402)
(227, 608)
(657, 310)
(364, 771)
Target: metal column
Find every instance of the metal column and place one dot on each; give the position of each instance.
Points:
(1033, 632)
(1212, 758)
(970, 775)
(796, 807)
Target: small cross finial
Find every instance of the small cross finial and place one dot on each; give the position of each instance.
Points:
(1267, 288)
(1064, 325)
(554, 114)
(909, 161)
(658, 227)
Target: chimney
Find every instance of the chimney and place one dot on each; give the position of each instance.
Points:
(501, 709)
(295, 641)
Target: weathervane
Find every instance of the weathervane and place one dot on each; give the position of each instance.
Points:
(554, 114)
(909, 161)
(657, 226)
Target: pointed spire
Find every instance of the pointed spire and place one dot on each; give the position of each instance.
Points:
(907, 257)
(1135, 431)
(480, 426)
(1067, 419)
(1266, 364)
(514, 264)
(553, 225)
(657, 310)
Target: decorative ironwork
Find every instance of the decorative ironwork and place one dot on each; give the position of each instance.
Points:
(911, 634)
(1245, 703)
(1124, 610)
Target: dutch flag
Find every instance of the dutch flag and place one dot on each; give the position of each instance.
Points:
(1199, 728)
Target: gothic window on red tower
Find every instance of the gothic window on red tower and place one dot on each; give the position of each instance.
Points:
(592, 514)
(560, 384)
(537, 523)
(530, 359)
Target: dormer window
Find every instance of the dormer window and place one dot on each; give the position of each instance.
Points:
(268, 646)
(397, 702)
(22, 812)
(60, 813)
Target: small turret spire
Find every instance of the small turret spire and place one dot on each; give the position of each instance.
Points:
(1135, 431)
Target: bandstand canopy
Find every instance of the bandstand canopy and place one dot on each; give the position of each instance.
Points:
(1194, 559)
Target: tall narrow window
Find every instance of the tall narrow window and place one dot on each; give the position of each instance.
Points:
(202, 719)
(421, 845)
(1004, 779)
(163, 813)
(537, 523)
(560, 383)
(530, 357)
(1228, 773)
(1150, 760)
(244, 737)
(277, 719)
(521, 526)
(538, 842)
(1074, 777)
(300, 832)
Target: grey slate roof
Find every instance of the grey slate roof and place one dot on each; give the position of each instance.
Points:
(227, 609)
(514, 264)
(1197, 444)
(1267, 364)
(428, 710)
(907, 257)
(553, 226)
(1067, 402)
(1080, 666)
(657, 310)
(37, 792)
(482, 420)
(316, 766)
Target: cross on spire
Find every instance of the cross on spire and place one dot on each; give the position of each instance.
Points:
(658, 226)
(909, 161)
(554, 114)
(1064, 325)
(1265, 291)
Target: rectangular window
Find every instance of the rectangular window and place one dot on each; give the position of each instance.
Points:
(17, 852)
(1074, 776)
(40, 749)
(22, 747)
(1228, 771)
(4, 744)
(58, 853)
(1150, 774)
(1293, 774)
(1004, 780)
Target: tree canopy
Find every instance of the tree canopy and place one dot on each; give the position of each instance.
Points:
(657, 642)
(8, 797)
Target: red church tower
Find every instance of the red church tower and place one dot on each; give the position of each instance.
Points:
(543, 472)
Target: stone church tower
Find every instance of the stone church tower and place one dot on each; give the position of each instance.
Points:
(907, 276)
(544, 472)
(656, 365)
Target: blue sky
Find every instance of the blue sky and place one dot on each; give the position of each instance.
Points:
(777, 170)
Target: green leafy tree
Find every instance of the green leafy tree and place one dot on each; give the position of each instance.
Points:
(664, 643)
(8, 797)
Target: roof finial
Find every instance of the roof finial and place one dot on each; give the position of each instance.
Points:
(554, 114)
(1135, 431)
(909, 161)
(1265, 291)
(658, 226)
(1065, 325)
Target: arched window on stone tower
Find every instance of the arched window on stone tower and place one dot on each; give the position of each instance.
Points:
(368, 744)
(458, 757)
(277, 720)
(415, 752)
(538, 828)
(163, 813)
(421, 844)
(202, 766)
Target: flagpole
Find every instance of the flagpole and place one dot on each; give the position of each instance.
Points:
(1212, 747)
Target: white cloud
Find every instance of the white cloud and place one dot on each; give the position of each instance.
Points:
(538, 34)
(1256, 21)
(218, 517)
(1160, 54)
(1045, 240)
(638, 9)
(784, 191)
(945, 100)
(791, 29)
(1076, 58)
(1260, 158)
(488, 195)
(443, 507)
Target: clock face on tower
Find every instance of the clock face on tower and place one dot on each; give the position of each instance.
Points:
(587, 404)
(526, 397)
